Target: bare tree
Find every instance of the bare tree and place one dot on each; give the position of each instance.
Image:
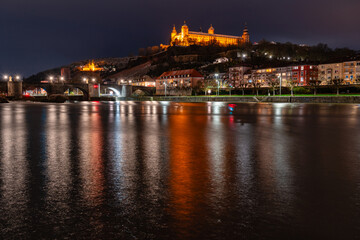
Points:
(255, 83)
(336, 82)
(314, 84)
(273, 82)
(291, 84)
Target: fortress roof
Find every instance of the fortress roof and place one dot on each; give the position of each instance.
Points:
(214, 35)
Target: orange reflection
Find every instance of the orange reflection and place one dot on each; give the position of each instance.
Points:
(92, 166)
(189, 179)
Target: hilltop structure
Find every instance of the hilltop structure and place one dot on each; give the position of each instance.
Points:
(187, 38)
(90, 67)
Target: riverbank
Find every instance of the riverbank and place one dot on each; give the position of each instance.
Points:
(254, 99)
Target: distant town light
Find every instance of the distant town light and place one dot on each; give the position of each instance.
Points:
(270, 56)
(62, 78)
(6, 76)
(244, 55)
(51, 78)
(17, 77)
(93, 79)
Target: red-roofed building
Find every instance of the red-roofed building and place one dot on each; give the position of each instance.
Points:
(178, 82)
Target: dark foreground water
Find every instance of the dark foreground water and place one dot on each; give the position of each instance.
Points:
(179, 171)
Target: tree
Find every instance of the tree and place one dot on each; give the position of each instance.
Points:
(336, 82)
(291, 84)
(198, 87)
(314, 84)
(242, 86)
(142, 52)
(272, 81)
(255, 83)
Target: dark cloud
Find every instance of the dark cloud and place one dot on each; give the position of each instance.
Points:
(38, 34)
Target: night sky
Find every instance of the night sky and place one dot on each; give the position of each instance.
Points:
(40, 34)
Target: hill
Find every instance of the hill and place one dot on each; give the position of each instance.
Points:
(203, 58)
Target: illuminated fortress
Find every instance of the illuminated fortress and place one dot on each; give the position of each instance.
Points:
(187, 38)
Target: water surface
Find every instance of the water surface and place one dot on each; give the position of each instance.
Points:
(160, 170)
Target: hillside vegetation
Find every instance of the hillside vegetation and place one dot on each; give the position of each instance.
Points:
(260, 55)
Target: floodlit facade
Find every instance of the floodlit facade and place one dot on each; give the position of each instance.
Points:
(178, 82)
(351, 72)
(144, 81)
(303, 75)
(331, 71)
(187, 38)
(237, 76)
(90, 67)
(283, 74)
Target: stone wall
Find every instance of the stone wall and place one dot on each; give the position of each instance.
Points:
(334, 99)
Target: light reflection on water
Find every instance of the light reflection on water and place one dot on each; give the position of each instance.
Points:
(161, 170)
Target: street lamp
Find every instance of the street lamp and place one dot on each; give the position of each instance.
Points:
(93, 79)
(62, 78)
(17, 77)
(216, 76)
(280, 83)
(6, 77)
(85, 80)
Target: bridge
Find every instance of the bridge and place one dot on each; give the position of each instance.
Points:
(16, 89)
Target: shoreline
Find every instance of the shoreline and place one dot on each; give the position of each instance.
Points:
(235, 99)
(258, 99)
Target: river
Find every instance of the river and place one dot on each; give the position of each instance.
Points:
(161, 170)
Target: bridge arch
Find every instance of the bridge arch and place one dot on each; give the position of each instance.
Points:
(35, 90)
(79, 92)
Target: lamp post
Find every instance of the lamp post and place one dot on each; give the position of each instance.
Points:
(218, 83)
(10, 78)
(280, 83)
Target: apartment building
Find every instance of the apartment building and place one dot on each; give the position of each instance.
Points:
(351, 72)
(303, 75)
(173, 82)
(283, 74)
(328, 72)
(236, 75)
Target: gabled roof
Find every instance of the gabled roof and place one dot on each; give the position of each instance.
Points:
(191, 72)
